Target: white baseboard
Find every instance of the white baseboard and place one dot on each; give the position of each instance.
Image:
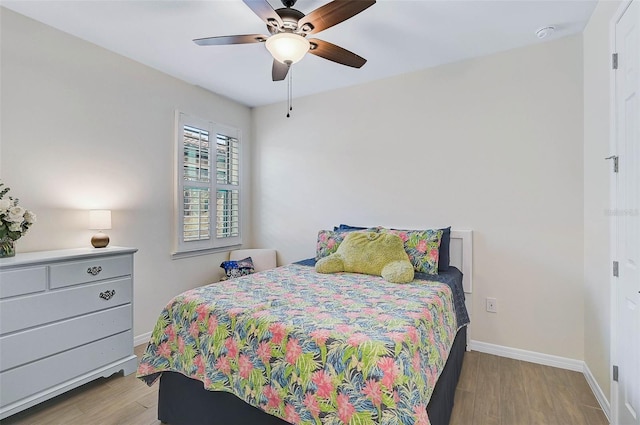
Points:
(141, 339)
(597, 392)
(528, 356)
(547, 360)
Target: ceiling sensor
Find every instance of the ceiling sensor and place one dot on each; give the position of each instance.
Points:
(545, 32)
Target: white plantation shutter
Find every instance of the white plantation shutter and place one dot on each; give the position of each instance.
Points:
(195, 225)
(227, 193)
(204, 148)
(197, 191)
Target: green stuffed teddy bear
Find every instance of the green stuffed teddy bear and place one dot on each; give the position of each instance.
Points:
(378, 254)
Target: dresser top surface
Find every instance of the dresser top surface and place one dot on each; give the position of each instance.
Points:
(37, 257)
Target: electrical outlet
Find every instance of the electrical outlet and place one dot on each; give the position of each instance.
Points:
(492, 305)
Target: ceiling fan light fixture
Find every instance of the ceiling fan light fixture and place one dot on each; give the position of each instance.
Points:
(287, 47)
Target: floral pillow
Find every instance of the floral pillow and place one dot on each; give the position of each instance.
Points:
(237, 268)
(329, 241)
(422, 246)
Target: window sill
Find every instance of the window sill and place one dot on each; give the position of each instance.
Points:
(198, 252)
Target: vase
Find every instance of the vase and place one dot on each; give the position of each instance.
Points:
(7, 247)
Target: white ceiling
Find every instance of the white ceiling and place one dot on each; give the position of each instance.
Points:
(395, 36)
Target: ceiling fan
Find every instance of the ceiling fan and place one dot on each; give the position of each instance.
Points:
(289, 28)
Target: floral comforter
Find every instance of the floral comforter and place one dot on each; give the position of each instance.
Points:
(311, 348)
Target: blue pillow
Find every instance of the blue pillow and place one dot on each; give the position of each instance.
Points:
(347, 228)
(443, 251)
(237, 268)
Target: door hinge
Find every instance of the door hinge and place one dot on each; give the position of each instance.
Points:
(614, 61)
(615, 162)
(615, 373)
(616, 270)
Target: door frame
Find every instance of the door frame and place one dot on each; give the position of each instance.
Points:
(613, 224)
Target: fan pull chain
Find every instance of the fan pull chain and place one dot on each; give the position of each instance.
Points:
(290, 92)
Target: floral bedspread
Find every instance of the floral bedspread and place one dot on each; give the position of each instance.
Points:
(311, 348)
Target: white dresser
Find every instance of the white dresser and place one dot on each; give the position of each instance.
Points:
(65, 319)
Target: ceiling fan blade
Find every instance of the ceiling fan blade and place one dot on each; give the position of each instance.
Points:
(263, 9)
(331, 14)
(334, 53)
(279, 71)
(230, 39)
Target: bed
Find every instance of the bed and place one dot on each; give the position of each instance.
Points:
(290, 345)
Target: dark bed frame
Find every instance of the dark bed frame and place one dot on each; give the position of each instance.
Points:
(184, 401)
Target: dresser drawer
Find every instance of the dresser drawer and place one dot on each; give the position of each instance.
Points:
(34, 344)
(73, 273)
(39, 309)
(31, 378)
(22, 281)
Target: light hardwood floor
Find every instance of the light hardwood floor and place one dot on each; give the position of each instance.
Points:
(492, 391)
(499, 391)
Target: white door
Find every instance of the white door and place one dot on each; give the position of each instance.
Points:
(626, 399)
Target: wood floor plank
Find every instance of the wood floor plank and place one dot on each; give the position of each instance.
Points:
(514, 406)
(463, 411)
(114, 414)
(555, 376)
(567, 410)
(541, 406)
(87, 400)
(577, 381)
(594, 416)
(51, 412)
(150, 400)
(487, 399)
(148, 417)
(469, 373)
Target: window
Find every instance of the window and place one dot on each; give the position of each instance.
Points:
(208, 189)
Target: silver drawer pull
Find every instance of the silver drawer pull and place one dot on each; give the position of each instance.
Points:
(94, 270)
(108, 294)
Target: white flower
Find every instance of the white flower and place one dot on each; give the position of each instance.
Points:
(14, 220)
(5, 204)
(29, 217)
(16, 214)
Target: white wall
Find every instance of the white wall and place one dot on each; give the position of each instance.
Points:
(85, 128)
(597, 174)
(492, 144)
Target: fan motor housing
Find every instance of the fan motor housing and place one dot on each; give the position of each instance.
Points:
(290, 18)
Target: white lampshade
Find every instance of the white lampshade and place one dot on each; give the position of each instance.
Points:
(100, 219)
(287, 47)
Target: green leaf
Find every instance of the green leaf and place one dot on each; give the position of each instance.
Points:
(361, 418)
(306, 365)
(288, 370)
(326, 406)
(220, 335)
(387, 399)
(348, 352)
(371, 352)
(398, 348)
(257, 379)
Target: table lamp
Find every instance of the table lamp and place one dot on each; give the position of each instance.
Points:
(100, 220)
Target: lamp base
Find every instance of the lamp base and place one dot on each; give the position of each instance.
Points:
(100, 240)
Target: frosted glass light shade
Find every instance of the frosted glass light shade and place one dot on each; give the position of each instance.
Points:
(100, 219)
(287, 47)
